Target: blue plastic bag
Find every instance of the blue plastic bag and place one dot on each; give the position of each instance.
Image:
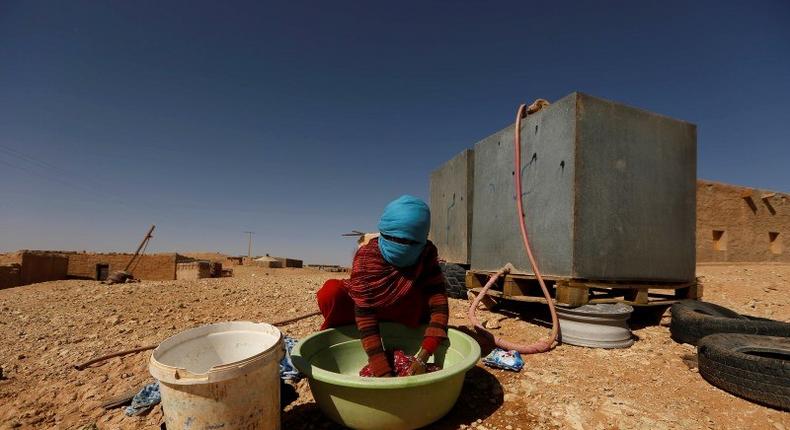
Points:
(288, 371)
(501, 359)
(146, 399)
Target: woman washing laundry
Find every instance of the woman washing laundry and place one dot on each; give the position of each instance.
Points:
(395, 277)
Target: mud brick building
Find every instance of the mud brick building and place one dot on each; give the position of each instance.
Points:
(29, 267)
(741, 224)
(233, 261)
(290, 262)
(10, 275)
(98, 265)
(193, 270)
(215, 257)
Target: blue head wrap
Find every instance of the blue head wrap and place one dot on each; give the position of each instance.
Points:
(406, 217)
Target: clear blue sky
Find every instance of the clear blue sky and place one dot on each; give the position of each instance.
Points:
(301, 120)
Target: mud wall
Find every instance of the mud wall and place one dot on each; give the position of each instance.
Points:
(30, 267)
(150, 267)
(194, 270)
(10, 276)
(42, 267)
(741, 224)
(290, 262)
(208, 256)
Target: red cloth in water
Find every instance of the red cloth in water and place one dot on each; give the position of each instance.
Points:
(401, 363)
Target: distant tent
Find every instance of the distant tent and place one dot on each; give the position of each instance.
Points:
(267, 261)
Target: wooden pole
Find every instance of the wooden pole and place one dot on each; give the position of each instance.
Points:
(147, 237)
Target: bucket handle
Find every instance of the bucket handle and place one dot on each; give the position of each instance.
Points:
(189, 376)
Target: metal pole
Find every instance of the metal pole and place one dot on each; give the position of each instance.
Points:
(249, 244)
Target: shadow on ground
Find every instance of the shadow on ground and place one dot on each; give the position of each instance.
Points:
(480, 397)
(536, 313)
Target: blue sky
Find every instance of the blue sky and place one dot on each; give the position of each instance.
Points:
(300, 121)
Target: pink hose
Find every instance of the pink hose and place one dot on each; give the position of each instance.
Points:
(542, 345)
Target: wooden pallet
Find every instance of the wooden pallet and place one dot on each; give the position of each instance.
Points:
(577, 292)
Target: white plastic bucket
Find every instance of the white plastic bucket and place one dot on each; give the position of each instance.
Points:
(223, 375)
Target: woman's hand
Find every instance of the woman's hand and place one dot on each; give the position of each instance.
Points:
(418, 366)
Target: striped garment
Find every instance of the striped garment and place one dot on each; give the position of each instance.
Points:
(376, 284)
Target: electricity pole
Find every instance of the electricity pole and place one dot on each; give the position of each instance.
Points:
(249, 243)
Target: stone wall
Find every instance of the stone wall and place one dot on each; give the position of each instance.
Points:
(741, 224)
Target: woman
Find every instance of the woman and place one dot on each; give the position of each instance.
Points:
(395, 277)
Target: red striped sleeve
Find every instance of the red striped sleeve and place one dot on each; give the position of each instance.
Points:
(432, 280)
(368, 326)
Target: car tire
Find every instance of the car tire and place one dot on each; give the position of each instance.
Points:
(455, 275)
(756, 368)
(692, 320)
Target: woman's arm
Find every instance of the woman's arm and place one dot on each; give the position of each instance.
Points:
(434, 283)
(368, 326)
(366, 317)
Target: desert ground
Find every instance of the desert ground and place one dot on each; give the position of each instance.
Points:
(46, 328)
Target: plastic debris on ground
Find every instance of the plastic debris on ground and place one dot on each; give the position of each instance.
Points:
(288, 371)
(501, 359)
(146, 399)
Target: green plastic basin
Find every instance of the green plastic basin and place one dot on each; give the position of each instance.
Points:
(331, 360)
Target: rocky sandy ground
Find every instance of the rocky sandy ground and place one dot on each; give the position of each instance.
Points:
(48, 327)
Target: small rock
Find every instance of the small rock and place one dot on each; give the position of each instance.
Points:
(492, 324)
